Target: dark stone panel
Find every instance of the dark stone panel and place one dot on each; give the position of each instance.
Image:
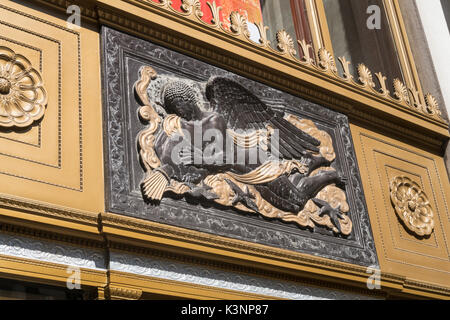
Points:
(123, 56)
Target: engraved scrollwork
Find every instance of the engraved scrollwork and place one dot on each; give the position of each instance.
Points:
(412, 205)
(23, 98)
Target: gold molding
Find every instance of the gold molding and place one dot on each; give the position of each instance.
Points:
(131, 282)
(47, 272)
(121, 293)
(35, 214)
(358, 105)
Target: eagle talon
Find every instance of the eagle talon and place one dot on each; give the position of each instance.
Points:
(203, 191)
(241, 196)
(333, 213)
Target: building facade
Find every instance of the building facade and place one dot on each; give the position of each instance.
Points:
(156, 149)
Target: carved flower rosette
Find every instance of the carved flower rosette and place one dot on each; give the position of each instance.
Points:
(412, 206)
(22, 95)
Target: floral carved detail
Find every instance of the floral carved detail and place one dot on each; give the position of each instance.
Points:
(190, 6)
(400, 91)
(365, 76)
(285, 43)
(239, 24)
(432, 106)
(412, 205)
(326, 60)
(22, 94)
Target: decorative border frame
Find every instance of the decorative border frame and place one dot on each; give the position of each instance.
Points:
(120, 199)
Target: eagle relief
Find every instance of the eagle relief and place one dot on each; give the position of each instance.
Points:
(218, 142)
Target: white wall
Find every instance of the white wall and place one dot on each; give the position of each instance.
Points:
(438, 37)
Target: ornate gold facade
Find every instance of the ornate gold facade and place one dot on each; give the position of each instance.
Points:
(52, 165)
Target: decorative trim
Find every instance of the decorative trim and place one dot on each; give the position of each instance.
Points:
(49, 251)
(114, 222)
(48, 210)
(170, 270)
(25, 45)
(157, 183)
(47, 272)
(120, 293)
(285, 48)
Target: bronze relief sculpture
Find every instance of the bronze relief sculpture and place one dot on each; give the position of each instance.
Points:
(239, 184)
(218, 142)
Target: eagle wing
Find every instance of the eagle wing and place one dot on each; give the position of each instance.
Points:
(244, 111)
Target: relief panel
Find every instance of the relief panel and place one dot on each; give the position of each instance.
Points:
(307, 199)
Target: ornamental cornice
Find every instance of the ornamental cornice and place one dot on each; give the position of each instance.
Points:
(325, 63)
(399, 112)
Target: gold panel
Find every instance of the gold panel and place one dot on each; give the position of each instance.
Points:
(381, 159)
(57, 160)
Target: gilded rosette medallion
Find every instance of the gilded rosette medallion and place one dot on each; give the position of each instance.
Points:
(22, 94)
(412, 205)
